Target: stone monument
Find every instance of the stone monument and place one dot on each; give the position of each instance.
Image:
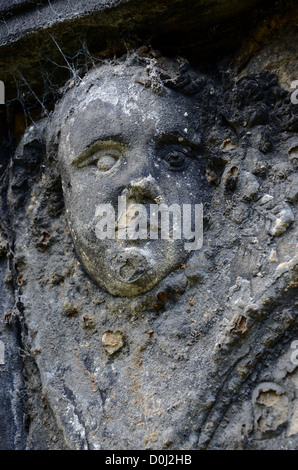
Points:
(113, 341)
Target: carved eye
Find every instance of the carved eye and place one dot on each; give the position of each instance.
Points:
(175, 160)
(105, 160)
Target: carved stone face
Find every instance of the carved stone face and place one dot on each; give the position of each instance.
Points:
(121, 139)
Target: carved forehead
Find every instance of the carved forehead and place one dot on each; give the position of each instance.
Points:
(112, 84)
(118, 100)
(118, 94)
(139, 93)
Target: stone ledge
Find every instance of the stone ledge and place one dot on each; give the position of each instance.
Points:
(202, 28)
(35, 16)
(11, 5)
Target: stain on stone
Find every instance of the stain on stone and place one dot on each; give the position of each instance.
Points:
(271, 410)
(207, 360)
(112, 341)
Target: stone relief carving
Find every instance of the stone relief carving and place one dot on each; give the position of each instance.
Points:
(124, 133)
(140, 343)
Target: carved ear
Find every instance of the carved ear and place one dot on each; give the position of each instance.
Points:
(31, 150)
(31, 161)
(26, 164)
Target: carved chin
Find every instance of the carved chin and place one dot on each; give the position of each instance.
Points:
(128, 271)
(125, 273)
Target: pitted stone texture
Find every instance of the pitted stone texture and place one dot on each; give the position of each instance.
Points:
(203, 360)
(176, 367)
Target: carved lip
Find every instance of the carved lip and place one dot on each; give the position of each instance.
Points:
(129, 265)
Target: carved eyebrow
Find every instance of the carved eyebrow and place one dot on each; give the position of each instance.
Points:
(100, 144)
(177, 137)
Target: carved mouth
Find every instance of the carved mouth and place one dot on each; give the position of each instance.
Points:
(129, 265)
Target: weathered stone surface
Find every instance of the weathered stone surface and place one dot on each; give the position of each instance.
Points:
(205, 358)
(112, 341)
(40, 38)
(13, 397)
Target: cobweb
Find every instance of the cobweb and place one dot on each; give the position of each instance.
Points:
(53, 79)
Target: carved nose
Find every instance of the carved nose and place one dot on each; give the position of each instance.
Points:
(142, 191)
